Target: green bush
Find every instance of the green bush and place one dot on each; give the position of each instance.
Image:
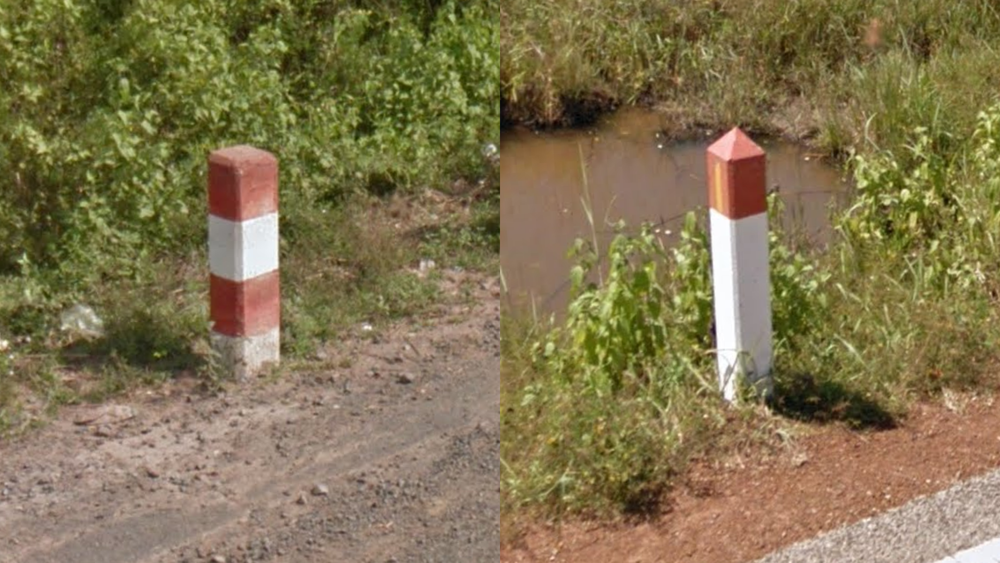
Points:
(610, 398)
(109, 110)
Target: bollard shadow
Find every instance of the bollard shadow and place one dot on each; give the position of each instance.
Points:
(805, 397)
(645, 505)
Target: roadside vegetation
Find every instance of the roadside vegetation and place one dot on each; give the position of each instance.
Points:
(378, 115)
(840, 73)
(604, 409)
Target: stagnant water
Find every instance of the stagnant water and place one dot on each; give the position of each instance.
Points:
(626, 170)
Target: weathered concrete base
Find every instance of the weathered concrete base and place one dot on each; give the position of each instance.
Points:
(246, 356)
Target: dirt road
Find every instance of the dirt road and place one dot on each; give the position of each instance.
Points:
(392, 454)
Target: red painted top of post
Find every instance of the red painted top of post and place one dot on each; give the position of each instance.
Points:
(242, 183)
(737, 176)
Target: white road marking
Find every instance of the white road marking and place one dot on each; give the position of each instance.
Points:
(988, 552)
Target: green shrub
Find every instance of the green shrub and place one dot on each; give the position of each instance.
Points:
(103, 137)
(609, 399)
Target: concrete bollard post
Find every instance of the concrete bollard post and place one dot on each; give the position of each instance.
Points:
(740, 276)
(244, 292)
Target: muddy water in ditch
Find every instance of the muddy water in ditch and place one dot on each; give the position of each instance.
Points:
(626, 171)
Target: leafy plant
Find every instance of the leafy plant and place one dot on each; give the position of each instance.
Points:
(616, 331)
(906, 202)
(691, 285)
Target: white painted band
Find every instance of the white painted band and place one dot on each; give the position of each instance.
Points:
(241, 250)
(988, 552)
(742, 299)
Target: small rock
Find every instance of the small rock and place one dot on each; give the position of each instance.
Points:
(301, 499)
(406, 378)
(320, 490)
(152, 472)
(218, 559)
(799, 459)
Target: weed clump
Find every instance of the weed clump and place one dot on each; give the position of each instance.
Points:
(603, 398)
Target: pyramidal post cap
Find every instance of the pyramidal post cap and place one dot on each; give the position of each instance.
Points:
(737, 176)
(735, 145)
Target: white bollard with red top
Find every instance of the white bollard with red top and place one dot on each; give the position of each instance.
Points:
(740, 276)
(244, 292)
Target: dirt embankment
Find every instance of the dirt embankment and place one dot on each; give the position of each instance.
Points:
(390, 454)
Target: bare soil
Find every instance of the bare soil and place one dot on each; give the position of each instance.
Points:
(388, 453)
(742, 508)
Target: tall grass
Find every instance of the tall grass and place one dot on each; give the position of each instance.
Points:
(602, 406)
(838, 72)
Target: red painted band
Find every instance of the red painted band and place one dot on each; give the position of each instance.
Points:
(737, 170)
(242, 183)
(245, 308)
